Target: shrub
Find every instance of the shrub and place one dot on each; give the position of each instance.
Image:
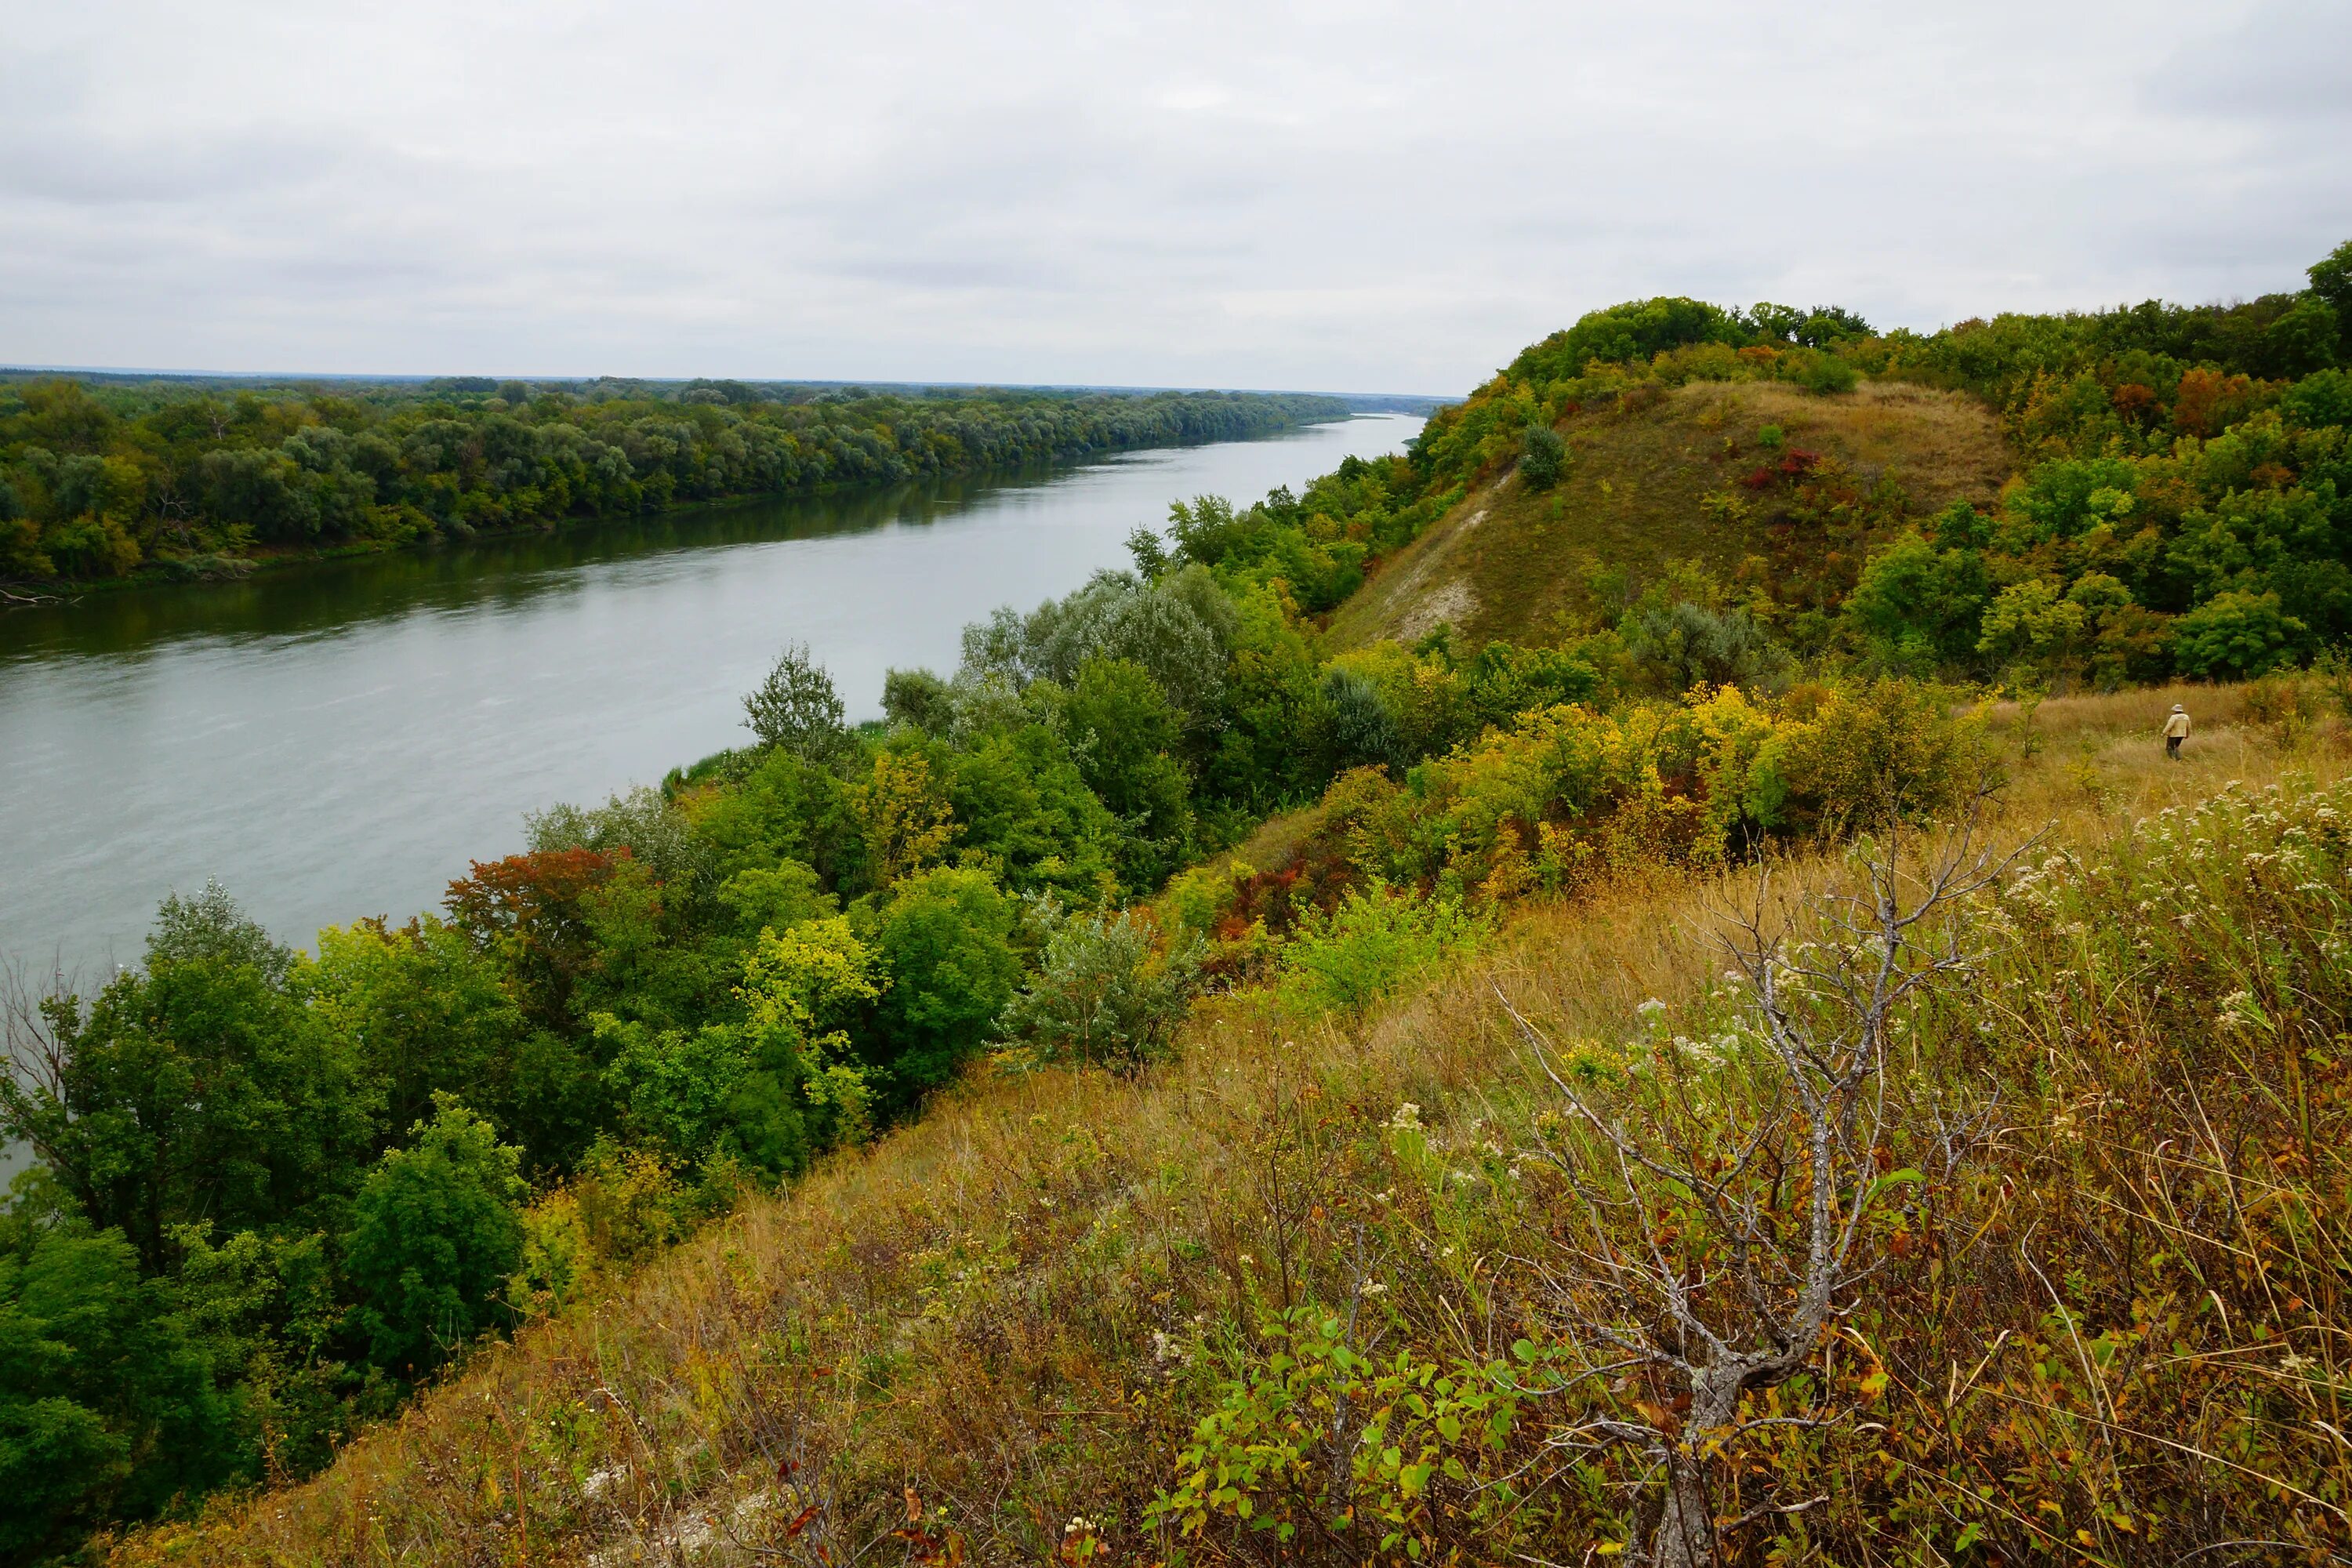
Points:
(1680, 645)
(2234, 634)
(1363, 730)
(1105, 993)
(1542, 456)
(1823, 374)
(1377, 941)
(1894, 746)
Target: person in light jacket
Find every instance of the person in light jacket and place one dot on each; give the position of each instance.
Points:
(2176, 730)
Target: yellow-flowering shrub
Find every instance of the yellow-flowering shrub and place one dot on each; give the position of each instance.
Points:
(1568, 793)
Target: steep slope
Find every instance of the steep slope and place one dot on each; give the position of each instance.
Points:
(1508, 563)
(989, 1335)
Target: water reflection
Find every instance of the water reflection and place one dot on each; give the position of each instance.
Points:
(338, 741)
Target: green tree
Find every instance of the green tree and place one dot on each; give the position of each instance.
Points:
(945, 942)
(1124, 733)
(2331, 282)
(1025, 807)
(918, 699)
(423, 1008)
(683, 1091)
(2032, 627)
(107, 1409)
(796, 709)
(1916, 607)
(197, 1088)
(1362, 729)
(435, 1233)
(2235, 634)
(801, 989)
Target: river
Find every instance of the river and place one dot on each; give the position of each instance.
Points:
(339, 740)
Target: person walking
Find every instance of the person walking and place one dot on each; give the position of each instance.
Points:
(2176, 730)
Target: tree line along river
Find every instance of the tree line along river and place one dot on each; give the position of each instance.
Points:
(339, 740)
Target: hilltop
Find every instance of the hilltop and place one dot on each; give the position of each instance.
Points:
(1645, 485)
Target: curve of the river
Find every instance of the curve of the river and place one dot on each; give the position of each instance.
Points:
(338, 741)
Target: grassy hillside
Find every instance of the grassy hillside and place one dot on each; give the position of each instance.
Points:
(2105, 1327)
(1177, 1090)
(1512, 563)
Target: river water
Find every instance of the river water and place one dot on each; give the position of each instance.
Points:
(339, 740)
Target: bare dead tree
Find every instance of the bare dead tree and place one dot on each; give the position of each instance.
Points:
(30, 1004)
(1723, 1209)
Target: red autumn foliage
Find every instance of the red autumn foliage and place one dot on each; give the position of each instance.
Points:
(529, 908)
(2209, 400)
(2138, 403)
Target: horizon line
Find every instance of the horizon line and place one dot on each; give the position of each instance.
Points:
(392, 378)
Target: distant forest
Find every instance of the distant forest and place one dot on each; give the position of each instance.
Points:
(113, 476)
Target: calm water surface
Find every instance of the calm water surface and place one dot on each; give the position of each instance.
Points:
(338, 741)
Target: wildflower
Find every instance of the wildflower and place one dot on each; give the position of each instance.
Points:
(1407, 1118)
(1649, 1010)
(1376, 1288)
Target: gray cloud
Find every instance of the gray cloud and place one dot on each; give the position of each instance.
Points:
(1365, 197)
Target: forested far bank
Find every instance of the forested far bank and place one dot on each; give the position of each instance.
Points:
(166, 480)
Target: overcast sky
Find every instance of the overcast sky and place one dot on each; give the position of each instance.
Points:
(1354, 197)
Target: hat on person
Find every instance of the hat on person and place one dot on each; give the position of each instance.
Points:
(2177, 707)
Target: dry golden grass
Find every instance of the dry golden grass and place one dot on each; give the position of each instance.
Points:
(981, 1306)
(1507, 562)
(1942, 446)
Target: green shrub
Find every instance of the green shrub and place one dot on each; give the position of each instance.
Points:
(1377, 941)
(2235, 634)
(437, 1232)
(1823, 374)
(1542, 456)
(1105, 993)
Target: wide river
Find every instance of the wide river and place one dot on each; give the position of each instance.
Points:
(339, 740)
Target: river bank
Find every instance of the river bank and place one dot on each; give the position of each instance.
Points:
(340, 741)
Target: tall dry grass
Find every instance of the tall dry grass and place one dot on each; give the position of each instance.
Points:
(986, 1335)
